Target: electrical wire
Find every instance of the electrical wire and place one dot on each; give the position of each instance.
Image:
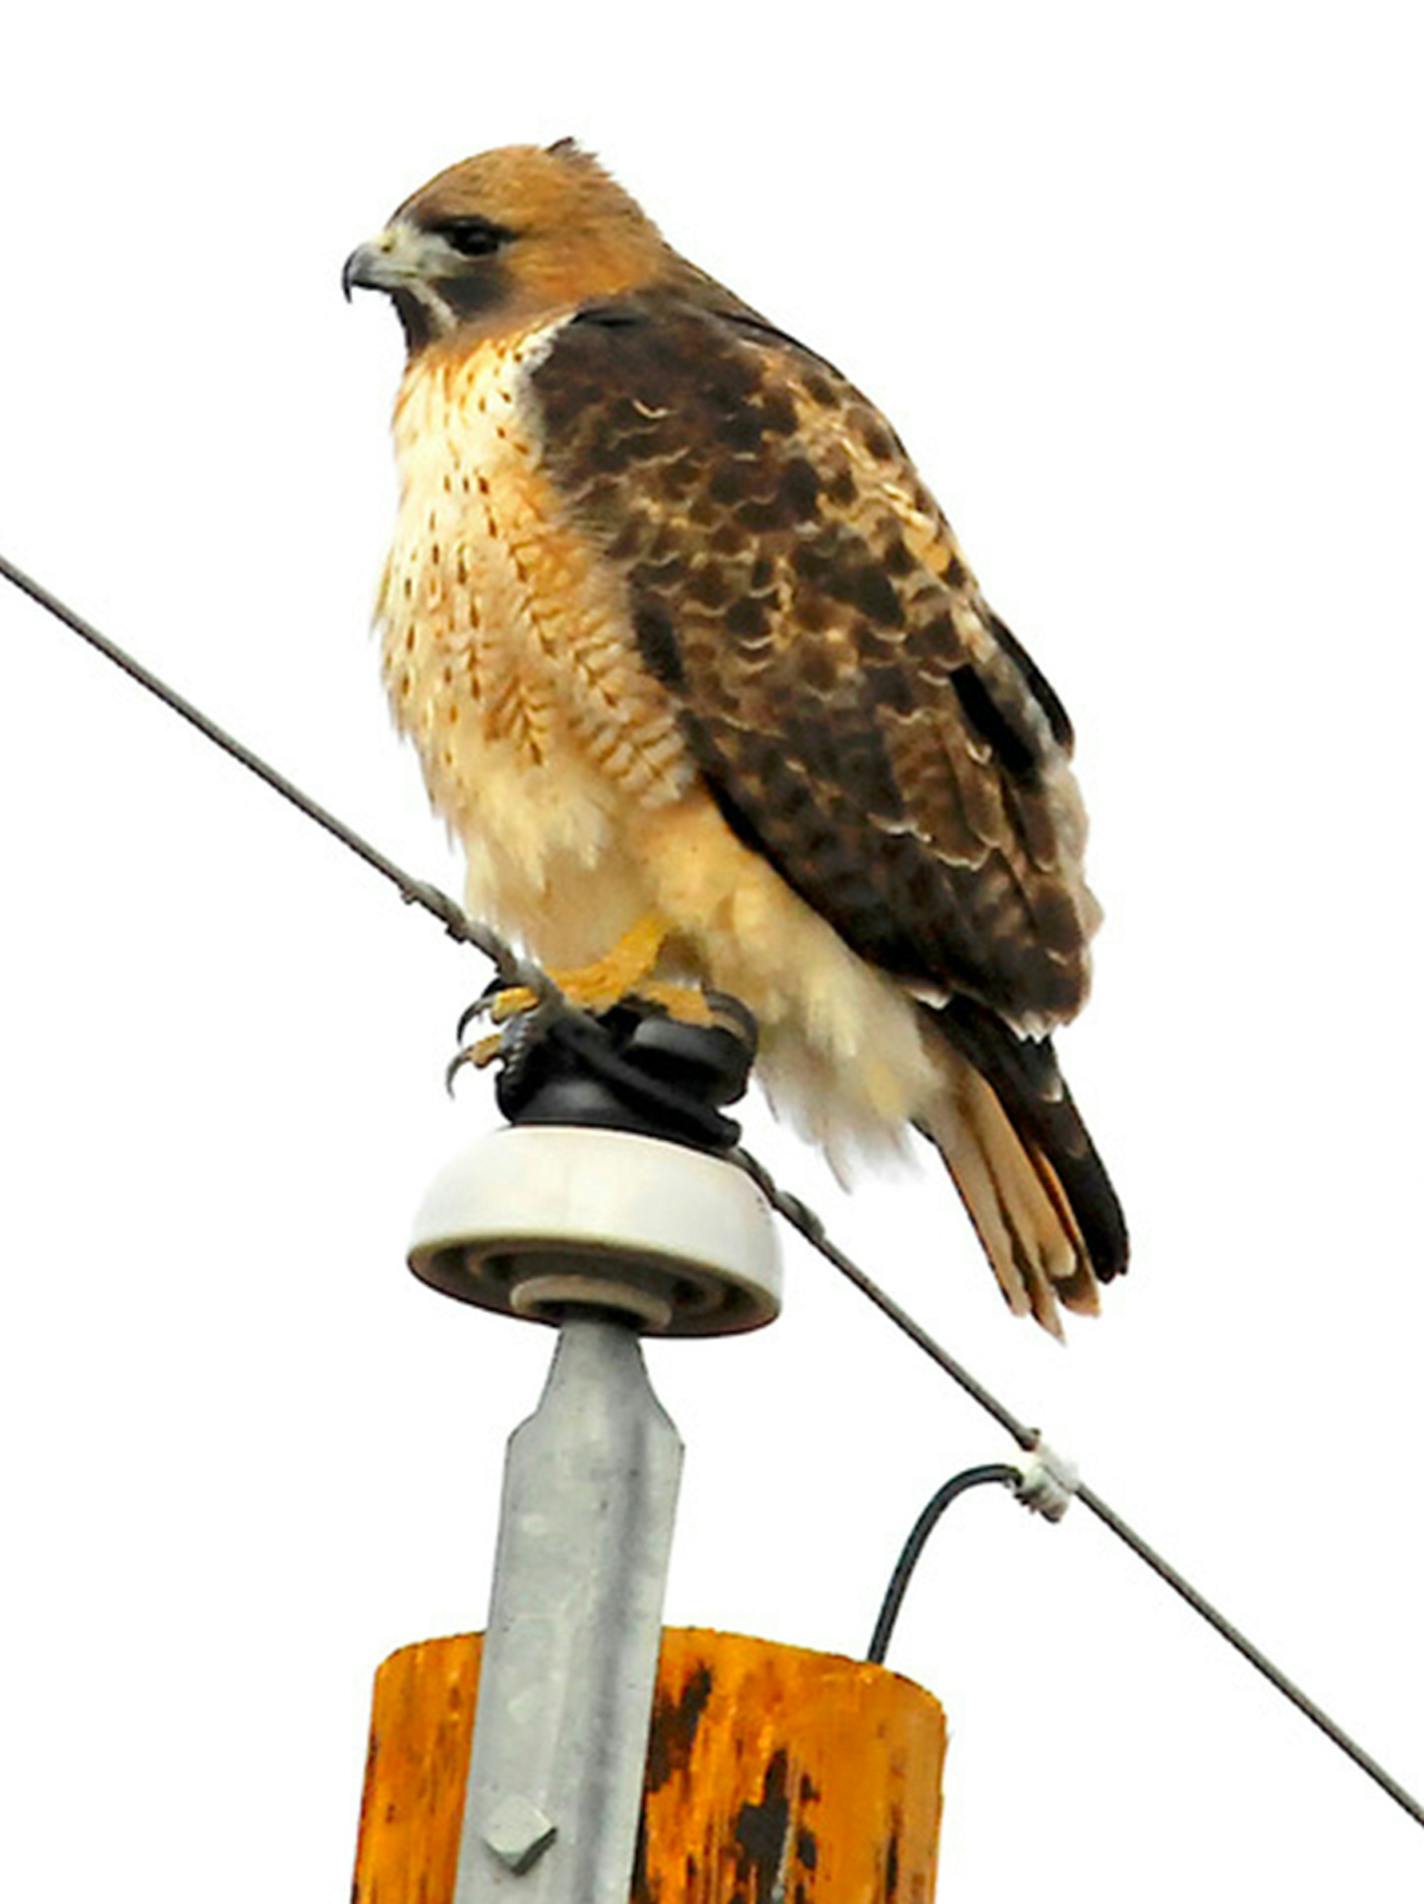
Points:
(796, 1213)
(929, 1519)
(415, 892)
(809, 1225)
(804, 1220)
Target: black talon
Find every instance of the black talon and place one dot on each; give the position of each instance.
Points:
(530, 977)
(453, 1069)
(633, 1067)
(479, 1007)
(475, 1010)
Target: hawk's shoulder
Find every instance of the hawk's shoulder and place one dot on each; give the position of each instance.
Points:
(861, 717)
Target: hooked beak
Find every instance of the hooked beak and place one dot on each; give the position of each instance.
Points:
(367, 269)
(402, 259)
(418, 270)
(353, 271)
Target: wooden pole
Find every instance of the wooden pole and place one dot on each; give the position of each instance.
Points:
(773, 1773)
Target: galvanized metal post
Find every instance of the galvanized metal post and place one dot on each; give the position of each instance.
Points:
(571, 1652)
(604, 1233)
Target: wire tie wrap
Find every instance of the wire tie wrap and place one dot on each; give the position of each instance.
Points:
(1047, 1481)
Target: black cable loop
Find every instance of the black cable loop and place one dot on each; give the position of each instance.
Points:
(797, 1214)
(929, 1519)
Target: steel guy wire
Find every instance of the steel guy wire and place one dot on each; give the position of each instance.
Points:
(793, 1211)
(415, 892)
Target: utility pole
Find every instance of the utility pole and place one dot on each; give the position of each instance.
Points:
(577, 1753)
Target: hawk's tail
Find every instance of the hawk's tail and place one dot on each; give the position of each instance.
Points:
(1022, 1160)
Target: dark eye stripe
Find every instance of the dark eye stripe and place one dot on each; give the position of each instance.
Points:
(473, 237)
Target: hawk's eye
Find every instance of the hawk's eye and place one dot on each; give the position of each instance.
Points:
(473, 237)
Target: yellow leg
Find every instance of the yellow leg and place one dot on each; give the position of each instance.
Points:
(600, 986)
(621, 973)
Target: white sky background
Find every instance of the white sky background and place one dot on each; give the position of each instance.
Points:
(1141, 288)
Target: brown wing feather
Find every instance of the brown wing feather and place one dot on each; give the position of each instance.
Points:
(858, 713)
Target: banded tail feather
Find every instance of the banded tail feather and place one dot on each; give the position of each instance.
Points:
(1022, 1160)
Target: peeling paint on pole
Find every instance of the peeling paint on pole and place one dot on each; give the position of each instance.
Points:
(774, 1776)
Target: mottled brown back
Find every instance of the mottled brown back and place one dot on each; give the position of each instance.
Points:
(861, 717)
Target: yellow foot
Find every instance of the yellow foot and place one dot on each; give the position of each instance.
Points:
(625, 973)
(592, 988)
(687, 1004)
(509, 1003)
(600, 986)
(483, 1052)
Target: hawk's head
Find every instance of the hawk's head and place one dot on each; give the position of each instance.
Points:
(507, 237)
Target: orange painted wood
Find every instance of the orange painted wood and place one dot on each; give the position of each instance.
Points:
(773, 1773)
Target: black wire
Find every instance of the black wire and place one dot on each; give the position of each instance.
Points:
(797, 1214)
(999, 1471)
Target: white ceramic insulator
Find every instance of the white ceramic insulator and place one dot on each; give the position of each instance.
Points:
(534, 1218)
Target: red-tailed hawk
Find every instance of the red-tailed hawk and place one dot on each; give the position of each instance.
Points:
(706, 690)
